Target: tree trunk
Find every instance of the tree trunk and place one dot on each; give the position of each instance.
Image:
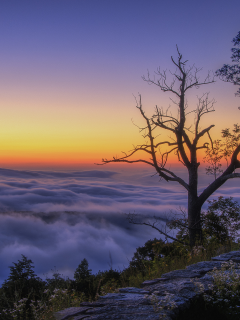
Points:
(194, 221)
(194, 208)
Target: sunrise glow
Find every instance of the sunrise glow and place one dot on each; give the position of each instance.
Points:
(68, 88)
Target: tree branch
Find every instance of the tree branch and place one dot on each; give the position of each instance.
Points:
(131, 219)
(226, 175)
(200, 134)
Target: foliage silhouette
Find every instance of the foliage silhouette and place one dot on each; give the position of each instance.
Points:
(231, 73)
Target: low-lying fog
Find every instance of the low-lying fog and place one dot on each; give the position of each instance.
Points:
(58, 218)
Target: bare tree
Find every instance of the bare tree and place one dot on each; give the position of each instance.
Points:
(184, 140)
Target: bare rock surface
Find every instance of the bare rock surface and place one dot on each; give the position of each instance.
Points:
(137, 303)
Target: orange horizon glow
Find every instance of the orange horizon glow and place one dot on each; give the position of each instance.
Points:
(47, 135)
(70, 160)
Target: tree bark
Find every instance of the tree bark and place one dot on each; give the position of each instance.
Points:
(194, 207)
(194, 221)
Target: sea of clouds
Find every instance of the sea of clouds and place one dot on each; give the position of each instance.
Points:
(57, 218)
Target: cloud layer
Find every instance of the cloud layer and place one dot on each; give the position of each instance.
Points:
(59, 218)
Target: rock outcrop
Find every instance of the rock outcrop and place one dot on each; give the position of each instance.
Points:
(174, 289)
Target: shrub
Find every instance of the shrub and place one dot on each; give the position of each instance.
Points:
(224, 292)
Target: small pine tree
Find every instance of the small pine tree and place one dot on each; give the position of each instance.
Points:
(23, 270)
(83, 278)
(82, 272)
(21, 283)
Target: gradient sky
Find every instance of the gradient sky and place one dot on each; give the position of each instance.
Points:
(69, 71)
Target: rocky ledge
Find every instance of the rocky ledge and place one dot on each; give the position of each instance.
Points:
(174, 289)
